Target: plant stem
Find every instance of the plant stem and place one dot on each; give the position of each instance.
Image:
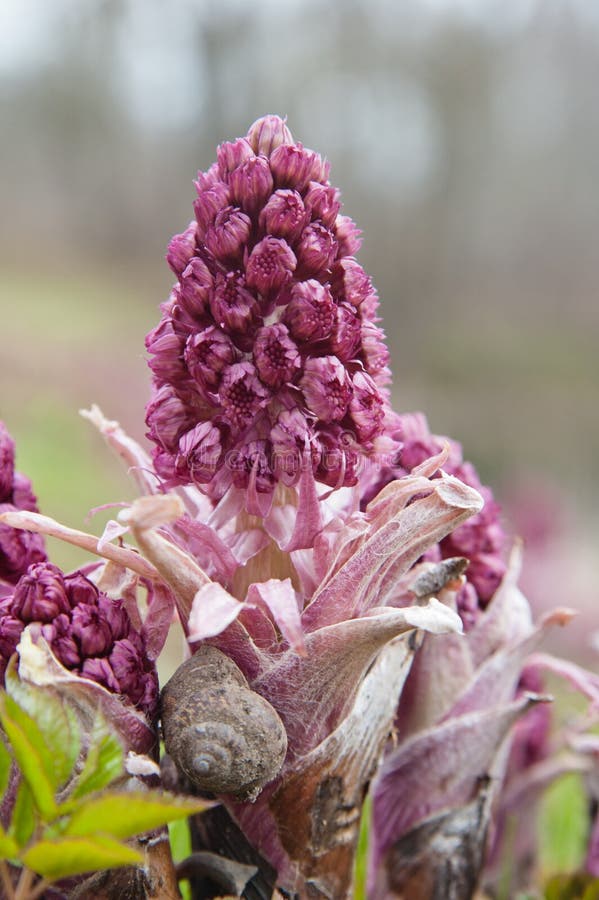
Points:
(38, 889)
(22, 892)
(6, 880)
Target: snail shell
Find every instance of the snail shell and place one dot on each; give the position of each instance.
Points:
(224, 737)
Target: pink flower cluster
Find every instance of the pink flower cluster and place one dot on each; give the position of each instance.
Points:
(481, 539)
(18, 549)
(90, 634)
(268, 356)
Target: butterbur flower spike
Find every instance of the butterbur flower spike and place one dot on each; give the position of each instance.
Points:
(270, 314)
(339, 573)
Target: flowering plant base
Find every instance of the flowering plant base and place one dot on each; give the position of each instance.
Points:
(352, 619)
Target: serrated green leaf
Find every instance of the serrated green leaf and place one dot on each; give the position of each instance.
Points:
(5, 764)
(126, 814)
(104, 761)
(31, 755)
(76, 855)
(23, 816)
(55, 719)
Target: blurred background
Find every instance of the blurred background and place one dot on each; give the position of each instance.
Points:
(465, 139)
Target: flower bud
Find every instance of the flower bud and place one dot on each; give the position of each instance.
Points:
(275, 355)
(22, 493)
(58, 635)
(182, 248)
(327, 388)
(347, 332)
(284, 215)
(375, 352)
(166, 347)
(366, 407)
(350, 282)
(337, 457)
(316, 249)
(233, 306)
(232, 154)
(40, 595)
(195, 285)
(206, 354)
(242, 394)
(311, 311)
(251, 184)
(199, 454)
(167, 418)
(348, 237)
(210, 201)
(322, 202)
(229, 233)
(270, 265)
(253, 459)
(294, 166)
(288, 437)
(268, 133)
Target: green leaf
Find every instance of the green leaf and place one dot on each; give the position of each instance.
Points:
(564, 825)
(8, 846)
(23, 816)
(104, 762)
(55, 719)
(76, 855)
(5, 764)
(126, 814)
(30, 753)
(180, 839)
(360, 864)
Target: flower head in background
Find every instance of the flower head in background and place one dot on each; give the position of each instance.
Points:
(481, 540)
(268, 356)
(18, 549)
(88, 633)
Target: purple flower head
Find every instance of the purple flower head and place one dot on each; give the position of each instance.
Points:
(271, 314)
(7, 464)
(88, 633)
(481, 539)
(18, 549)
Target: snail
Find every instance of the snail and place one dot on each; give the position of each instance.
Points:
(221, 735)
